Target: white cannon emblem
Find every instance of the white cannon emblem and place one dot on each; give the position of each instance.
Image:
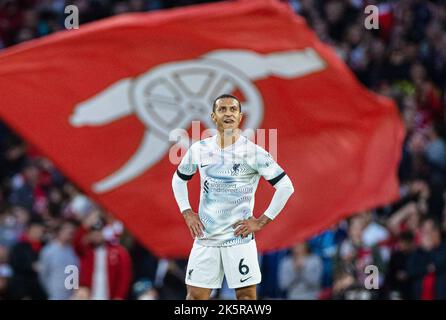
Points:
(174, 94)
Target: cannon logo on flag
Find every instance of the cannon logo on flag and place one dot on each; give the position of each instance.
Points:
(172, 95)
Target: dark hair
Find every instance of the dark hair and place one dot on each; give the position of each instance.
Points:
(406, 236)
(35, 220)
(226, 96)
(65, 222)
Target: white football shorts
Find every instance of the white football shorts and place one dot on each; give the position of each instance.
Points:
(208, 265)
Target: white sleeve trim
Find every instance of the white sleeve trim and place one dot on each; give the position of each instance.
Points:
(180, 192)
(284, 189)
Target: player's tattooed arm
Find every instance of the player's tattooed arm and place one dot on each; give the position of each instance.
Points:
(246, 227)
(194, 223)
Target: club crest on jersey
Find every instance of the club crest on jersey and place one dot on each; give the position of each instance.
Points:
(235, 169)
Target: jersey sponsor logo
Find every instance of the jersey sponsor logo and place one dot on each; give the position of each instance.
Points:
(221, 187)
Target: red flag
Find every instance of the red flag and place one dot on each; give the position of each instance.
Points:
(100, 102)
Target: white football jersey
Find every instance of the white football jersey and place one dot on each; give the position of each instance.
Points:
(229, 179)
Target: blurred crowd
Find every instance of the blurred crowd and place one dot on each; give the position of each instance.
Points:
(49, 230)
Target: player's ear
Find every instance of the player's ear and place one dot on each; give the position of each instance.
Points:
(213, 117)
(241, 116)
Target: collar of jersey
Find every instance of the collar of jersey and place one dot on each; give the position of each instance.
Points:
(240, 137)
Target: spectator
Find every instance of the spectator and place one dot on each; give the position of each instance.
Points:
(353, 257)
(435, 152)
(54, 258)
(300, 274)
(24, 256)
(397, 280)
(8, 229)
(411, 208)
(5, 272)
(105, 268)
(345, 286)
(24, 186)
(427, 264)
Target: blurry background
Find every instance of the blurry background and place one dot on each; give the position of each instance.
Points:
(46, 223)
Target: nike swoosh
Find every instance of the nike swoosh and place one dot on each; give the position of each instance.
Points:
(243, 280)
(204, 165)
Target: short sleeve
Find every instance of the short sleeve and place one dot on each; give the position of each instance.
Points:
(267, 167)
(187, 167)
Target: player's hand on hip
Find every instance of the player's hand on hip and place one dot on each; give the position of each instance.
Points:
(246, 227)
(194, 223)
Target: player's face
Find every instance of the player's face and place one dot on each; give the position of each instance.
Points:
(227, 114)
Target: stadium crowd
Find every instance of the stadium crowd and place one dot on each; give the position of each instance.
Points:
(47, 223)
